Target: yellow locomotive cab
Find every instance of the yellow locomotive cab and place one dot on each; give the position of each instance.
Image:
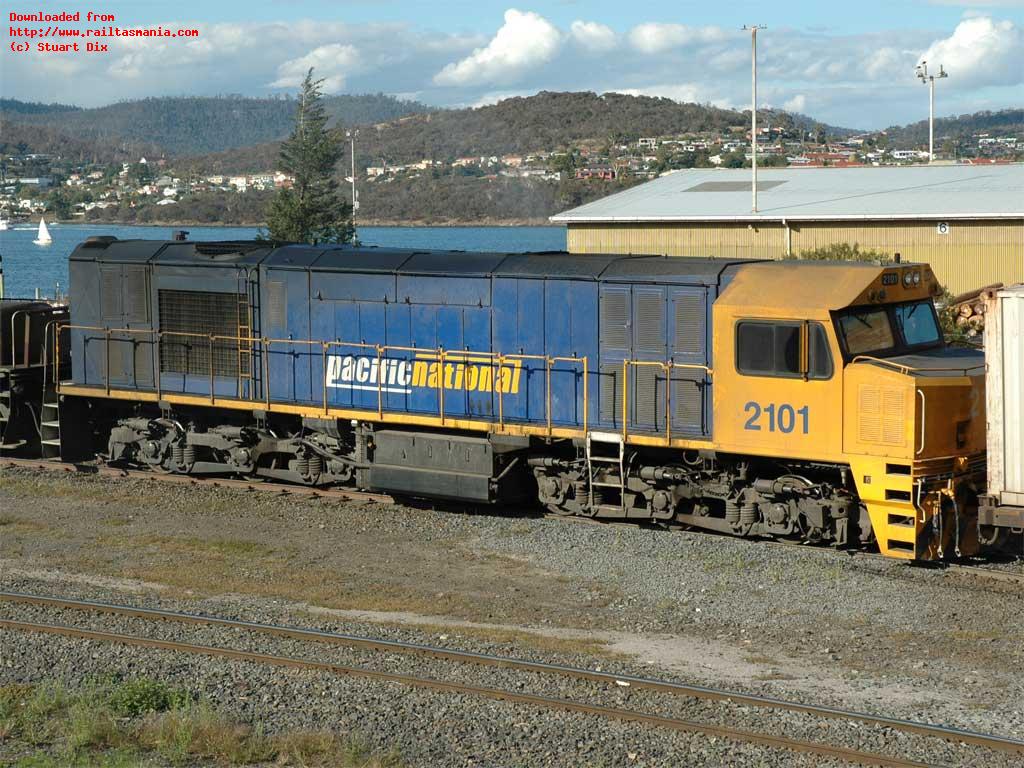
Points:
(868, 385)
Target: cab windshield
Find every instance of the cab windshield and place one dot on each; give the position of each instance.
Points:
(889, 329)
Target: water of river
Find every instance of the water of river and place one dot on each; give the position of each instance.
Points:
(28, 266)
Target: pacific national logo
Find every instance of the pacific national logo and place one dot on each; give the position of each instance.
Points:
(466, 372)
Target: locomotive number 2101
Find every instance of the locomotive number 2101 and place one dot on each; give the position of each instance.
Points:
(781, 417)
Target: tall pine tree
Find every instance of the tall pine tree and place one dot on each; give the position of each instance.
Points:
(313, 209)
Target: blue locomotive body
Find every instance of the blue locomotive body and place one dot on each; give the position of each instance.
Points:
(531, 339)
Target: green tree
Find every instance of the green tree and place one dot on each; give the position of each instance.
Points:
(58, 202)
(313, 209)
(844, 252)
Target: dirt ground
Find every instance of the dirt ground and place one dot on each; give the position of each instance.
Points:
(791, 621)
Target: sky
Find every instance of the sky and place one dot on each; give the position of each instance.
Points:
(844, 63)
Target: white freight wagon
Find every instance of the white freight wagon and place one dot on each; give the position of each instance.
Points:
(1003, 505)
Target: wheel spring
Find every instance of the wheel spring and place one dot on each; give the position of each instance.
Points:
(188, 455)
(177, 454)
(316, 465)
(302, 465)
(748, 514)
(732, 512)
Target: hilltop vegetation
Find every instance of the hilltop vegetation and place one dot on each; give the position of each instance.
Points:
(546, 121)
(1005, 122)
(19, 139)
(193, 125)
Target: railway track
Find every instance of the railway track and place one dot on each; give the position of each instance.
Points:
(350, 495)
(771, 740)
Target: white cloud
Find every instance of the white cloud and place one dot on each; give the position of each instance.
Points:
(593, 37)
(653, 37)
(329, 62)
(981, 51)
(796, 104)
(525, 42)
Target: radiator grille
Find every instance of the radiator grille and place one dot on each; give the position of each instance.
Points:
(136, 297)
(110, 292)
(204, 313)
(689, 322)
(611, 393)
(645, 396)
(688, 405)
(650, 321)
(277, 303)
(882, 417)
(614, 319)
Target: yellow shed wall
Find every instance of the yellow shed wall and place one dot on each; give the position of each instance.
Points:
(970, 255)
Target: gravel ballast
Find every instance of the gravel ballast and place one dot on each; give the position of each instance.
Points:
(806, 624)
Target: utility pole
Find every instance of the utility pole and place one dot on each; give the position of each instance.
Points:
(352, 151)
(753, 111)
(929, 80)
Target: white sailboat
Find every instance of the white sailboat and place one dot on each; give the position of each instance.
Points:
(43, 238)
(3, 224)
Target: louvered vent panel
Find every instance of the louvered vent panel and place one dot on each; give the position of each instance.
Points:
(614, 320)
(277, 303)
(136, 297)
(650, 322)
(110, 292)
(689, 322)
(687, 405)
(893, 421)
(611, 393)
(869, 406)
(202, 313)
(645, 395)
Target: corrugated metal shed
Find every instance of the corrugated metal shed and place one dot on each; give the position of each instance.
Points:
(940, 192)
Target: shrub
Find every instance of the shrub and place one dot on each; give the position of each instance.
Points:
(140, 696)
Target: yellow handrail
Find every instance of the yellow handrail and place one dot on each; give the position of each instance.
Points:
(381, 350)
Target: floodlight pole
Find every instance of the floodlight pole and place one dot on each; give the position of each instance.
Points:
(753, 112)
(922, 73)
(355, 200)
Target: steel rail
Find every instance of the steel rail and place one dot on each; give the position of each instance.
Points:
(498, 694)
(998, 743)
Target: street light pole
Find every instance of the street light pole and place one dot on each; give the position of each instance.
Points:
(753, 112)
(352, 151)
(929, 80)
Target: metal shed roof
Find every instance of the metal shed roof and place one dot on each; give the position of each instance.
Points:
(827, 194)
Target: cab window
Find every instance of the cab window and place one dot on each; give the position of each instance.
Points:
(866, 329)
(775, 349)
(916, 322)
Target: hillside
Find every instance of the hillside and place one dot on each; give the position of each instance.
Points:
(19, 138)
(11, 107)
(195, 125)
(1005, 122)
(546, 121)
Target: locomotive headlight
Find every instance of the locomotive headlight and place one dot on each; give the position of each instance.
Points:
(917, 278)
(906, 279)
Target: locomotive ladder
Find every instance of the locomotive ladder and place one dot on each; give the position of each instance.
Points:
(244, 342)
(595, 457)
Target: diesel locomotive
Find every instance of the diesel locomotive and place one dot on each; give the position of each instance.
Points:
(801, 400)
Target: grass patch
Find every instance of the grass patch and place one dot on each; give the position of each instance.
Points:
(142, 721)
(547, 643)
(20, 523)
